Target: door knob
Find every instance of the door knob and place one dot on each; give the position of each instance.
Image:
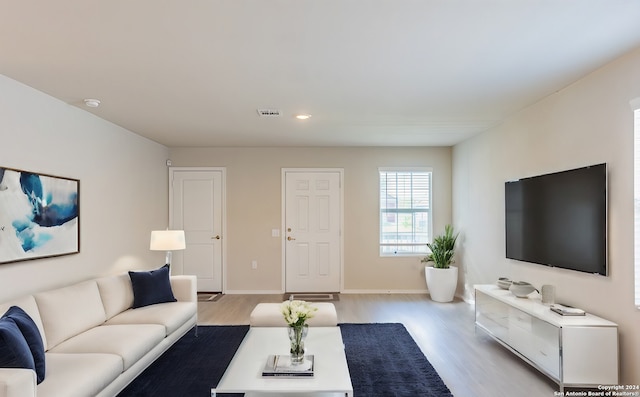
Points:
(290, 238)
(217, 237)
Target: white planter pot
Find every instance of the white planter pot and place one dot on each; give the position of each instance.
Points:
(441, 283)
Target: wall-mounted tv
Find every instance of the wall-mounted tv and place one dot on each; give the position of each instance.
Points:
(559, 219)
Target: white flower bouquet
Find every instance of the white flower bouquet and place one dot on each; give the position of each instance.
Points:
(297, 312)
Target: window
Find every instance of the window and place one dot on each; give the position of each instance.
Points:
(636, 199)
(405, 211)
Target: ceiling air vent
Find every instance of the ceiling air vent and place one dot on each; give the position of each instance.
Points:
(269, 112)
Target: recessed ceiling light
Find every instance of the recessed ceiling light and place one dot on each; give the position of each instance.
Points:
(92, 103)
(303, 116)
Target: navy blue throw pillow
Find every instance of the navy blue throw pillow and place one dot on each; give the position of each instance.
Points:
(151, 287)
(14, 350)
(32, 335)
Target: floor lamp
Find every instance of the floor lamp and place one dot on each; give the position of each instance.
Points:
(167, 240)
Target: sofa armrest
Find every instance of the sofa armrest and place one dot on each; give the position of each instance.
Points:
(185, 288)
(17, 382)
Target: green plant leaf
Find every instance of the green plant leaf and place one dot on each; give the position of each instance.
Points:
(442, 249)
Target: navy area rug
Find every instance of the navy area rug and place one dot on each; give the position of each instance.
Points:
(383, 360)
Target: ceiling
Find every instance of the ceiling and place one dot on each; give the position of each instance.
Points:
(370, 72)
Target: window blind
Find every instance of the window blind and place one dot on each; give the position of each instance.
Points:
(405, 211)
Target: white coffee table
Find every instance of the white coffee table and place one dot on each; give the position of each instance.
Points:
(331, 374)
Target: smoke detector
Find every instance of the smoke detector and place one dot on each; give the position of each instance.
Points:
(269, 112)
(92, 103)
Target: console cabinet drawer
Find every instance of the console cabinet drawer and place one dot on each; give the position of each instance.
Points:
(535, 339)
(492, 315)
(546, 351)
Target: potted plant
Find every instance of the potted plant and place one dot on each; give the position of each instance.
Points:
(441, 277)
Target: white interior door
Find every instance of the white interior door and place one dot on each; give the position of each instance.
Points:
(197, 207)
(313, 225)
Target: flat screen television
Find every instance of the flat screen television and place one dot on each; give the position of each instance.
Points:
(559, 219)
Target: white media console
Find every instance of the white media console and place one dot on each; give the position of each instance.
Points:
(574, 351)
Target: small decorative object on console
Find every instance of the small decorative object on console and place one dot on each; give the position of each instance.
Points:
(296, 313)
(566, 310)
(548, 293)
(521, 289)
(504, 283)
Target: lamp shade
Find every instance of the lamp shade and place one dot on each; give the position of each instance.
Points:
(167, 240)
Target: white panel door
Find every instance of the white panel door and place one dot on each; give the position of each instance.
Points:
(313, 216)
(197, 208)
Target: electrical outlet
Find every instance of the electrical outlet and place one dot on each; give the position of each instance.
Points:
(254, 264)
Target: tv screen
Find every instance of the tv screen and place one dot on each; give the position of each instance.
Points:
(559, 219)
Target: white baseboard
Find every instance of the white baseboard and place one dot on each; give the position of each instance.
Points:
(347, 291)
(384, 291)
(253, 292)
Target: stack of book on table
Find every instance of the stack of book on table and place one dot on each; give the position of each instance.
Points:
(280, 365)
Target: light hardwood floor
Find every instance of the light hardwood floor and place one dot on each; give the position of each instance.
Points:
(469, 362)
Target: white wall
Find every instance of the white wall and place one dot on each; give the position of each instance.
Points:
(254, 208)
(587, 123)
(123, 186)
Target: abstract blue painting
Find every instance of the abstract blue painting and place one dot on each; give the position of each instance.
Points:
(39, 215)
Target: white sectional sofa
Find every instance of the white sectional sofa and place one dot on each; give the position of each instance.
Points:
(95, 343)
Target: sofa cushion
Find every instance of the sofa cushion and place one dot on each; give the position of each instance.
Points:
(116, 293)
(79, 375)
(151, 287)
(14, 350)
(170, 315)
(28, 304)
(68, 311)
(31, 334)
(130, 342)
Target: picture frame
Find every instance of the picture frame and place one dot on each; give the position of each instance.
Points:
(39, 215)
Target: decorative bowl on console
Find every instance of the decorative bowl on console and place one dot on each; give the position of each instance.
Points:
(503, 283)
(521, 289)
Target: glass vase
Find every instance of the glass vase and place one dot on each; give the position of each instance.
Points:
(297, 335)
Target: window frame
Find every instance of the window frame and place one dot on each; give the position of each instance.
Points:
(429, 211)
(635, 107)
